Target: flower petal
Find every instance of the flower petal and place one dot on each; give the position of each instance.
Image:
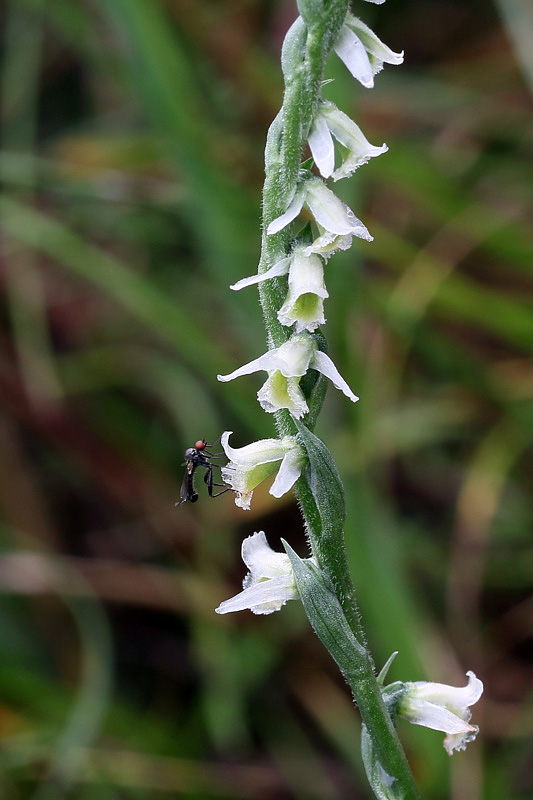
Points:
(288, 473)
(357, 150)
(378, 52)
(262, 451)
(358, 229)
(264, 597)
(352, 52)
(279, 268)
(325, 365)
(243, 480)
(328, 243)
(436, 717)
(293, 357)
(457, 697)
(459, 741)
(264, 362)
(280, 392)
(291, 213)
(305, 312)
(261, 560)
(306, 274)
(304, 304)
(346, 131)
(321, 146)
(328, 210)
(242, 499)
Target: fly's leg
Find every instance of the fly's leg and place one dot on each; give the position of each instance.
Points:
(208, 478)
(227, 489)
(209, 454)
(209, 447)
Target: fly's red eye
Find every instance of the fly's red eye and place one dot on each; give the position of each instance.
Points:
(200, 444)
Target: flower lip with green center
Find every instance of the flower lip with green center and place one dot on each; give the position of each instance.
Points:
(250, 465)
(285, 366)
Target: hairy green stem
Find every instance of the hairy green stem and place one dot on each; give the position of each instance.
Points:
(304, 54)
(306, 47)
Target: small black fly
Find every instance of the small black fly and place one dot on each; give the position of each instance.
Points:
(199, 456)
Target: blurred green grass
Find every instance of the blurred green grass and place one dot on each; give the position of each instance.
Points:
(131, 169)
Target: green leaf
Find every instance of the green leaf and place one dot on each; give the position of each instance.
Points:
(327, 617)
(325, 483)
(321, 493)
(384, 670)
(383, 785)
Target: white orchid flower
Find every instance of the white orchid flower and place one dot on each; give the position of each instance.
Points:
(285, 366)
(330, 122)
(269, 583)
(362, 52)
(304, 304)
(255, 462)
(443, 708)
(336, 222)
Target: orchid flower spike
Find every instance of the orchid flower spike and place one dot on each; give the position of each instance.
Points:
(269, 582)
(443, 708)
(335, 221)
(331, 123)
(285, 366)
(255, 462)
(304, 304)
(362, 52)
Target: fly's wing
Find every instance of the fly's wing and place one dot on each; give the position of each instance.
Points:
(208, 478)
(186, 483)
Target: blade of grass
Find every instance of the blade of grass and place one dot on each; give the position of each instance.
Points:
(138, 295)
(165, 79)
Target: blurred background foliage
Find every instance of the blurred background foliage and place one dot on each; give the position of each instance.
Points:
(131, 165)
